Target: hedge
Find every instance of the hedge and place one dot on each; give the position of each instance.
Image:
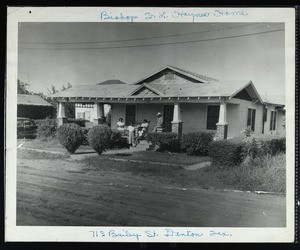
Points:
(233, 152)
(166, 141)
(273, 146)
(226, 152)
(117, 141)
(196, 143)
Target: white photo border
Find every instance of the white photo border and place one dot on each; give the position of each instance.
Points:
(92, 14)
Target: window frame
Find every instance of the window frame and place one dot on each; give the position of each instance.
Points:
(252, 118)
(273, 120)
(208, 121)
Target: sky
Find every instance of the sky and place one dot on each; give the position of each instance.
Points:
(81, 53)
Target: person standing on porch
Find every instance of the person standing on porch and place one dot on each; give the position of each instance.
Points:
(159, 122)
(131, 135)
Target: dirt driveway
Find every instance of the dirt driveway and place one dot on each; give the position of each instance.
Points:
(65, 193)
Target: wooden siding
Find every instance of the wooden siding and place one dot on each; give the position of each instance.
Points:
(242, 116)
(232, 120)
(193, 117)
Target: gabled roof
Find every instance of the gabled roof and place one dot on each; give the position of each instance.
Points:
(195, 76)
(203, 87)
(32, 100)
(146, 89)
(251, 90)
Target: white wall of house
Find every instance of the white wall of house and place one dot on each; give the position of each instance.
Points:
(243, 113)
(194, 116)
(279, 118)
(233, 120)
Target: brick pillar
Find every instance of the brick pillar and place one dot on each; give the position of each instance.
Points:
(222, 125)
(222, 132)
(61, 117)
(177, 127)
(177, 123)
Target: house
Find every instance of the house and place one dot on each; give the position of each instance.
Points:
(33, 107)
(188, 101)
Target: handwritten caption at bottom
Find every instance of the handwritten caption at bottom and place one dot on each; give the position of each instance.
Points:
(137, 235)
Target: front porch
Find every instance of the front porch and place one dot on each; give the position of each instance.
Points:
(180, 115)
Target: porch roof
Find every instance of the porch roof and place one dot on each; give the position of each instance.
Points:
(212, 89)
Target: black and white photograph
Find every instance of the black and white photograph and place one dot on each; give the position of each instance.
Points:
(151, 124)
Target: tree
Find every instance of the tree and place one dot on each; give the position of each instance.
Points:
(22, 88)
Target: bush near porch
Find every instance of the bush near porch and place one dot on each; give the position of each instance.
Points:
(99, 138)
(166, 141)
(233, 152)
(70, 135)
(196, 143)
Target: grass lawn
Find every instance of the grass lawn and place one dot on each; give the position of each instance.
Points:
(167, 174)
(51, 145)
(165, 157)
(264, 174)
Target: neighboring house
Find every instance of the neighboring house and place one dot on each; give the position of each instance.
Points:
(33, 107)
(189, 102)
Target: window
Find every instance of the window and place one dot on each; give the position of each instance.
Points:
(265, 115)
(212, 116)
(84, 105)
(251, 119)
(273, 120)
(130, 114)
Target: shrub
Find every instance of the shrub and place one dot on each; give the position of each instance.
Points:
(70, 135)
(166, 141)
(117, 141)
(46, 129)
(226, 152)
(196, 143)
(252, 148)
(99, 138)
(246, 132)
(273, 146)
(79, 121)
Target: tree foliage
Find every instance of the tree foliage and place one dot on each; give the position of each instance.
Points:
(22, 88)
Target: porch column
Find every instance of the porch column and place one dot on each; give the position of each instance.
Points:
(177, 123)
(222, 125)
(61, 117)
(99, 113)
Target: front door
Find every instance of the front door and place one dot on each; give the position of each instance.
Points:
(168, 117)
(130, 114)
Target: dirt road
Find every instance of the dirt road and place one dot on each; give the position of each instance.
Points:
(65, 193)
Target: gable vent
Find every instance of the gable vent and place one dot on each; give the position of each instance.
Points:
(170, 76)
